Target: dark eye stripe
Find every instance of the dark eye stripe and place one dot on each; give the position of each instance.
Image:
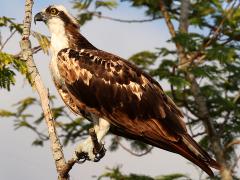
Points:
(49, 9)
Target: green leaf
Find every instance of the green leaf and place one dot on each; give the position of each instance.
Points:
(7, 66)
(43, 41)
(139, 146)
(23, 104)
(190, 41)
(37, 142)
(144, 59)
(172, 177)
(5, 113)
(179, 82)
(107, 4)
(85, 17)
(223, 54)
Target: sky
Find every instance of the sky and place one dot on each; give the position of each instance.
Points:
(20, 160)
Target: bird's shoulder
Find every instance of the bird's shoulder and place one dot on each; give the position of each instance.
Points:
(101, 64)
(99, 71)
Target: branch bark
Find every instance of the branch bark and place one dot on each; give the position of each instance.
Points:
(42, 91)
(184, 13)
(166, 16)
(99, 15)
(62, 166)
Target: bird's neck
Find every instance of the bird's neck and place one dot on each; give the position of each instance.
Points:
(64, 36)
(76, 40)
(59, 39)
(67, 36)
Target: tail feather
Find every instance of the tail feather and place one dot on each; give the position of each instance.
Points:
(199, 152)
(185, 146)
(189, 149)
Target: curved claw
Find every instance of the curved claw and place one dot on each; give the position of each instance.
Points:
(99, 154)
(82, 157)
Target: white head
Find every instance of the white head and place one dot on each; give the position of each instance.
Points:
(58, 20)
(56, 14)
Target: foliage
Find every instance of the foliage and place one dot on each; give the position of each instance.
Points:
(144, 59)
(42, 40)
(8, 64)
(9, 22)
(116, 174)
(90, 8)
(173, 177)
(72, 129)
(211, 44)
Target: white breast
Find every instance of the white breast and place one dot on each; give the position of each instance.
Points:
(54, 70)
(59, 41)
(58, 35)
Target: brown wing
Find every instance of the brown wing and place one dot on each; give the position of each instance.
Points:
(134, 103)
(116, 89)
(66, 97)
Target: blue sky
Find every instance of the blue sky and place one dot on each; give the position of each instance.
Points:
(19, 160)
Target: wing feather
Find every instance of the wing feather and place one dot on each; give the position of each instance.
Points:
(115, 88)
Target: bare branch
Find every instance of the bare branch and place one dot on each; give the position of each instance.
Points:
(99, 15)
(5, 42)
(232, 143)
(131, 152)
(34, 51)
(166, 15)
(199, 134)
(183, 26)
(42, 91)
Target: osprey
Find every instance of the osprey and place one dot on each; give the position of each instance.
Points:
(114, 94)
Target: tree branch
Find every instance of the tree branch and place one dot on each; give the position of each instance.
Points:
(200, 102)
(232, 143)
(62, 167)
(99, 15)
(166, 15)
(214, 33)
(42, 91)
(5, 42)
(131, 152)
(184, 13)
(204, 115)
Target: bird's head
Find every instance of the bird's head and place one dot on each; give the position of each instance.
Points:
(63, 27)
(56, 16)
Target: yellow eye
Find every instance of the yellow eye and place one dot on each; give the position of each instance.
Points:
(54, 11)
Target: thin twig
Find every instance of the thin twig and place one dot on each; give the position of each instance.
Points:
(34, 51)
(166, 15)
(235, 164)
(131, 152)
(232, 143)
(200, 55)
(5, 42)
(125, 20)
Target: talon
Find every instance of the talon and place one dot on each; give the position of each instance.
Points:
(99, 153)
(82, 157)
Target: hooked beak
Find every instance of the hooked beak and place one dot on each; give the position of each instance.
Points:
(40, 17)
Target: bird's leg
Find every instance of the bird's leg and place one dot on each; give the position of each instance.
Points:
(86, 149)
